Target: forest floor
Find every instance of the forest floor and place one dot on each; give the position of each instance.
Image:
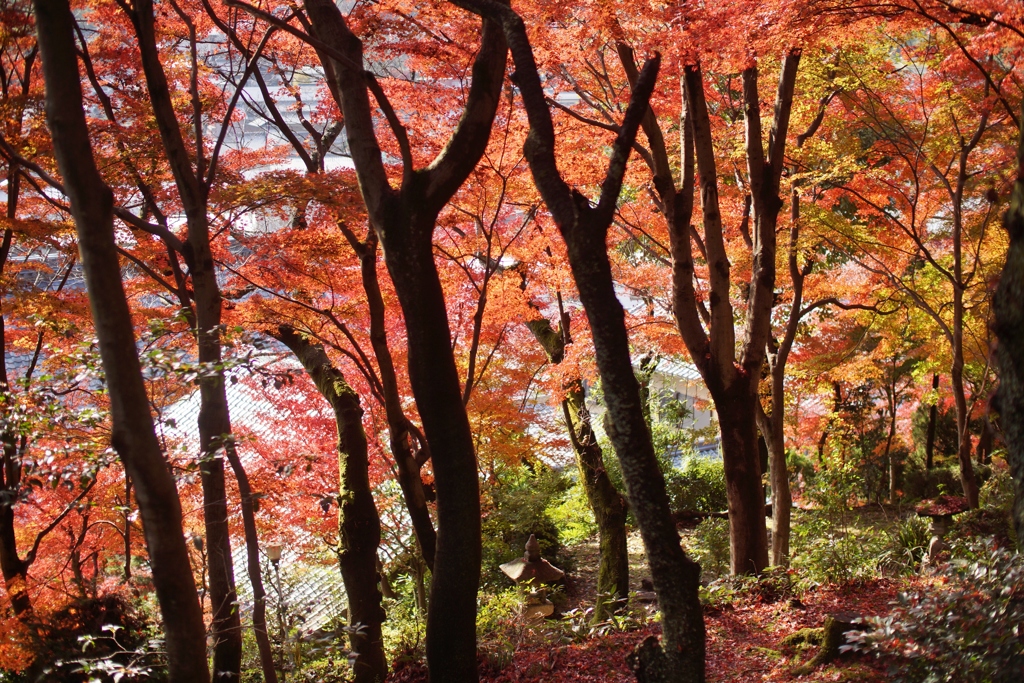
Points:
(744, 635)
(743, 640)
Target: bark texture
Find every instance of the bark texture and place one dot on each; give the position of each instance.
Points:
(1008, 307)
(133, 435)
(358, 521)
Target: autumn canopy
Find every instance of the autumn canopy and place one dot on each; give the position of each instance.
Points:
(313, 313)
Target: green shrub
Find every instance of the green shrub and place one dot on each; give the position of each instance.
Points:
(500, 627)
(107, 638)
(799, 464)
(709, 545)
(997, 492)
(905, 546)
(967, 627)
(698, 485)
(827, 547)
(981, 524)
(578, 625)
(323, 670)
(772, 585)
(404, 629)
(572, 516)
(919, 483)
(519, 502)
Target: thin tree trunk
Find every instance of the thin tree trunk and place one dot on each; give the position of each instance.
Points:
(967, 478)
(127, 528)
(984, 449)
(929, 445)
(358, 521)
(252, 557)
(676, 577)
(214, 437)
(774, 425)
(608, 505)
(214, 420)
(14, 569)
(782, 498)
(15, 572)
(133, 437)
(892, 400)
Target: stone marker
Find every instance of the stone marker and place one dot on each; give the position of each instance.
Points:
(531, 571)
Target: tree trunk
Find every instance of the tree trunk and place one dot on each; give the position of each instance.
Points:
(252, 556)
(748, 540)
(584, 229)
(676, 577)
(451, 630)
(133, 437)
(782, 498)
(13, 567)
(967, 478)
(929, 445)
(894, 464)
(984, 449)
(1008, 308)
(404, 220)
(214, 420)
(358, 521)
(214, 438)
(782, 502)
(608, 505)
(399, 426)
(731, 380)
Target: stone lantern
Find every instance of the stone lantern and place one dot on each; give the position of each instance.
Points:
(531, 571)
(940, 510)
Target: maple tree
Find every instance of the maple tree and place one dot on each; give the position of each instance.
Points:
(406, 236)
(133, 436)
(583, 227)
(926, 181)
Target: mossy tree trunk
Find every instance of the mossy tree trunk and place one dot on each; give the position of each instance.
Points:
(358, 521)
(584, 229)
(607, 503)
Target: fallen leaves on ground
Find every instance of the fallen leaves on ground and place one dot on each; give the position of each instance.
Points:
(743, 644)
